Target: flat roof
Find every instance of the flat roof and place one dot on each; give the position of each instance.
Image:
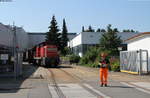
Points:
(36, 33)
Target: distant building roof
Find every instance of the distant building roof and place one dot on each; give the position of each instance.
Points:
(36, 33)
(138, 35)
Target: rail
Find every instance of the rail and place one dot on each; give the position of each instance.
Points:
(76, 79)
(56, 87)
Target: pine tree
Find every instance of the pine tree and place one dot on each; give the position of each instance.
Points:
(64, 38)
(110, 41)
(52, 36)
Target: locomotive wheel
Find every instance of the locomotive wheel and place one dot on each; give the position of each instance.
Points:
(51, 62)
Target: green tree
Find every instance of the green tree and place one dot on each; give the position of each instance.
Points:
(128, 30)
(52, 36)
(116, 30)
(90, 29)
(98, 30)
(64, 38)
(103, 30)
(132, 30)
(110, 41)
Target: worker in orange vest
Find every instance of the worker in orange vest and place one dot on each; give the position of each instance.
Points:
(104, 62)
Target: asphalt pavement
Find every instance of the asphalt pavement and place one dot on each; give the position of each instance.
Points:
(35, 84)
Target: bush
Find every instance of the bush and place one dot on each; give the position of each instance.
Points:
(115, 65)
(66, 51)
(90, 56)
(74, 58)
(95, 65)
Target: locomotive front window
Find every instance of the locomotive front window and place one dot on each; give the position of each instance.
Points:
(52, 49)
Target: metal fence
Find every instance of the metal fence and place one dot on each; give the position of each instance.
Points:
(6, 65)
(135, 62)
(10, 65)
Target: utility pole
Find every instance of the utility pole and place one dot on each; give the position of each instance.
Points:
(14, 50)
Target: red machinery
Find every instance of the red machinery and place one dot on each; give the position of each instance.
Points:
(46, 55)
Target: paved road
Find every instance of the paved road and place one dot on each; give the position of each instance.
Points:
(77, 82)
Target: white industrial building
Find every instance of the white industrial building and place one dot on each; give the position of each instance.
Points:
(136, 59)
(83, 40)
(140, 41)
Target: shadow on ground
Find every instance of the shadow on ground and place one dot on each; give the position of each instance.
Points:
(9, 84)
(60, 66)
(119, 86)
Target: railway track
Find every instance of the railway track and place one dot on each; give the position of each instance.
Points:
(76, 79)
(56, 87)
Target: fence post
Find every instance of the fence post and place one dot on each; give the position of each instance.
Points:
(147, 61)
(120, 60)
(140, 72)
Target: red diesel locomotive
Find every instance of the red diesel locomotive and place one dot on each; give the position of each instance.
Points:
(47, 55)
(44, 55)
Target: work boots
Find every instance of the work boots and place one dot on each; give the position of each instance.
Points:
(103, 84)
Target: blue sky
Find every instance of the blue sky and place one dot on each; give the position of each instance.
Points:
(35, 15)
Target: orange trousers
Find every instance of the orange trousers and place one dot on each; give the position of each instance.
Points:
(103, 75)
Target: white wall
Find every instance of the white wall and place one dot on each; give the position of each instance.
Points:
(76, 41)
(85, 38)
(141, 43)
